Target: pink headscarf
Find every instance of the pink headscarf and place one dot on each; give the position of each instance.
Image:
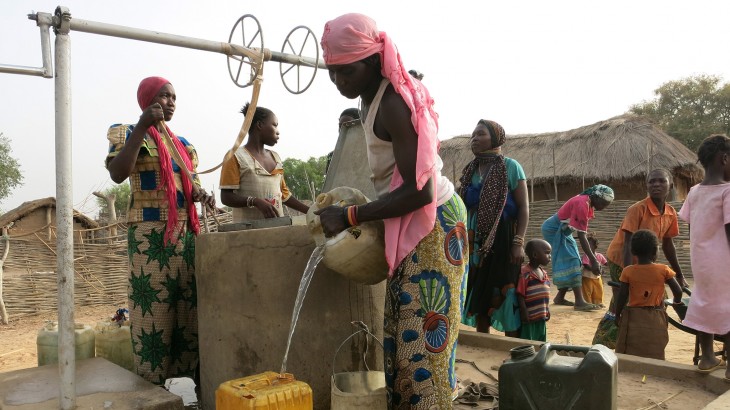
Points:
(350, 38)
(146, 92)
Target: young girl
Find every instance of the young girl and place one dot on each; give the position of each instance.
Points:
(533, 291)
(252, 182)
(707, 211)
(592, 283)
(643, 322)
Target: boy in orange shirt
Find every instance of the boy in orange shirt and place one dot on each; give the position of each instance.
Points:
(592, 283)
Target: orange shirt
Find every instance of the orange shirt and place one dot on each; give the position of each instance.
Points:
(646, 283)
(643, 215)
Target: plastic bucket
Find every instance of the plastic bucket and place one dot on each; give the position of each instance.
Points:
(360, 389)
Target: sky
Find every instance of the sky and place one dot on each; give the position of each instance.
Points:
(533, 66)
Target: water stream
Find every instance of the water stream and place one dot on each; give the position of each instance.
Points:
(314, 260)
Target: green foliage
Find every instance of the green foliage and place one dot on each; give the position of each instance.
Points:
(120, 203)
(305, 178)
(690, 109)
(10, 176)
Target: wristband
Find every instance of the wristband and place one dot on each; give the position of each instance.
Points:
(249, 202)
(352, 215)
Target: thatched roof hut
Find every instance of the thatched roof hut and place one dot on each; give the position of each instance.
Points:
(39, 214)
(617, 152)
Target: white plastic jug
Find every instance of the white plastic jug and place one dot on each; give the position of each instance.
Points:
(358, 252)
(47, 343)
(114, 343)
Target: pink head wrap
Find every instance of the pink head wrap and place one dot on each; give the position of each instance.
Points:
(350, 38)
(146, 92)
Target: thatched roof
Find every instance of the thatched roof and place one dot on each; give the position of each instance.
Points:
(27, 207)
(610, 150)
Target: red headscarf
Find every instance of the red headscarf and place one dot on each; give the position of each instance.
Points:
(148, 89)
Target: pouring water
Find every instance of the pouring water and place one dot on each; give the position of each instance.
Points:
(314, 260)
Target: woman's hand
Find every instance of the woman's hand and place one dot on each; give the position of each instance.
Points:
(518, 254)
(332, 220)
(151, 116)
(266, 208)
(199, 195)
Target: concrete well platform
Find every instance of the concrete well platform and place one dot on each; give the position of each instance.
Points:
(100, 384)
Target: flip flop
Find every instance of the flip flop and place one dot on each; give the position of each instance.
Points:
(587, 307)
(711, 369)
(564, 303)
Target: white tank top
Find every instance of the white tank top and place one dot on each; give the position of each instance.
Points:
(382, 159)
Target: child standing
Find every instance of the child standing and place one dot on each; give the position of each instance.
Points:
(707, 211)
(592, 283)
(533, 291)
(643, 322)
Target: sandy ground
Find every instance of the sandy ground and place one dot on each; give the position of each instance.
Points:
(567, 326)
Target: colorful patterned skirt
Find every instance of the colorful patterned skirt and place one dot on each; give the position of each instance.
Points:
(162, 302)
(567, 269)
(422, 313)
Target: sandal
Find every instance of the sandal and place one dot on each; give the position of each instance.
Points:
(563, 302)
(587, 307)
(719, 364)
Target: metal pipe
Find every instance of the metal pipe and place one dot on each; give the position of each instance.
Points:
(183, 41)
(64, 214)
(293, 59)
(19, 69)
(46, 49)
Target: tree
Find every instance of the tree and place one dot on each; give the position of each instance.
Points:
(305, 178)
(10, 175)
(121, 192)
(690, 109)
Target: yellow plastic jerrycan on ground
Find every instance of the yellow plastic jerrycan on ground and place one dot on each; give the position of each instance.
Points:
(358, 252)
(265, 391)
(47, 343)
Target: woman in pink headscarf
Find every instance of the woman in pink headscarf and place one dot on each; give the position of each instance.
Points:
(425, 222)
(163, 222)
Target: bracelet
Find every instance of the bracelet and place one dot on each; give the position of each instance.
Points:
(344, 216)
(249, 202)
(352, 215)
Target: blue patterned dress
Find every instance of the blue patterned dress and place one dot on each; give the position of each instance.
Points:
(422, 314)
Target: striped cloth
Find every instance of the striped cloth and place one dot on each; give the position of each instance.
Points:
(536, 292)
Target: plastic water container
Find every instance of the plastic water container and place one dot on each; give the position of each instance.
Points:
(114, 343)
(357, 253)
(47, 343)
(265, 391)
(548, 381)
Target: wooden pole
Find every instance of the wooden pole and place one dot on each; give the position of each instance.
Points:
(3, 311)
(532, 180)
(48, 221)
(555, 177)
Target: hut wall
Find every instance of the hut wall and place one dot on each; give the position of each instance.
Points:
(634, 189)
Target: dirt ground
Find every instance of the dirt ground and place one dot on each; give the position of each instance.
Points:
(567, 326)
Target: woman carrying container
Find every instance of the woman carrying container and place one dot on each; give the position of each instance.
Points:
(558, 231)
(163, 223)
(495, 193)
(425, 231)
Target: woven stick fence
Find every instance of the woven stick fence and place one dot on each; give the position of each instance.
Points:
(605, 225)
(30, 284)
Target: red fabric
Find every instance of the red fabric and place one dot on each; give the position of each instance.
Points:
(146, 92)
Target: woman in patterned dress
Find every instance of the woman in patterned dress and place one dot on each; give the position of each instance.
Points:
(425, 232)
(163, 222)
